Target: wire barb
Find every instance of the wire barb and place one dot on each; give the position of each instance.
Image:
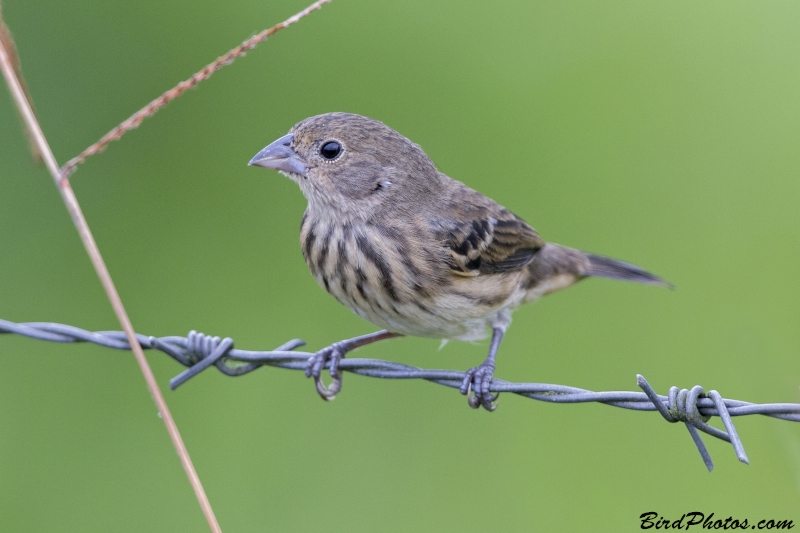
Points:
(197, 351)
(682, 406)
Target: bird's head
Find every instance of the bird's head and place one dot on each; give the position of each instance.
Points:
(351, 164)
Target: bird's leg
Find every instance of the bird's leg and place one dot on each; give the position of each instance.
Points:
(334, 353)
(478, 380)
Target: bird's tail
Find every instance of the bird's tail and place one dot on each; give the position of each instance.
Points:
(605, 267)
(556, 267)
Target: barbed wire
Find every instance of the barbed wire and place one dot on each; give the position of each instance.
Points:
(197, 351)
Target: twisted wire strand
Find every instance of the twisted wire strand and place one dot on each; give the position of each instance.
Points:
(197, 351)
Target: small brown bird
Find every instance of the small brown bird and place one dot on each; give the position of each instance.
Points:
(412, 250)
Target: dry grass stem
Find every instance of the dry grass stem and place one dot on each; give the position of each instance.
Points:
(150, 109)
(9, 64)
(71, 202)
(13, 57)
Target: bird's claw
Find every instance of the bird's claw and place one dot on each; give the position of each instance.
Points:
(316, 363)
(476, 385)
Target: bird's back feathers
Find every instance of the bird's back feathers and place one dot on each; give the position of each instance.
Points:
(483, 237)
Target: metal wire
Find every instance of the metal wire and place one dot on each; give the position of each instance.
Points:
(197, 351)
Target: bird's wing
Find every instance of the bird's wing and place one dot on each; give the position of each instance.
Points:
(486, 238)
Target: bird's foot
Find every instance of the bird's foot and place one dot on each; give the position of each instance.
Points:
(476, 387)
(333, 353)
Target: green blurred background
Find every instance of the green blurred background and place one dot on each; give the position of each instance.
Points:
(662, 133)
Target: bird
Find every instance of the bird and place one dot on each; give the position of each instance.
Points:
(413, 251)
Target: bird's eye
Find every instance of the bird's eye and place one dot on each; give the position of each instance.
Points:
(330, 150)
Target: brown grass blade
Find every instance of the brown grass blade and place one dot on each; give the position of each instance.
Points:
(11, 50)
(152, 108)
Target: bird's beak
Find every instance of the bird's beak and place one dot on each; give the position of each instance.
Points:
(280, 156)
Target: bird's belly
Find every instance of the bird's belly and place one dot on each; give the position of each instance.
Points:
(377, 279)
(411, 319)
(450, 315)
